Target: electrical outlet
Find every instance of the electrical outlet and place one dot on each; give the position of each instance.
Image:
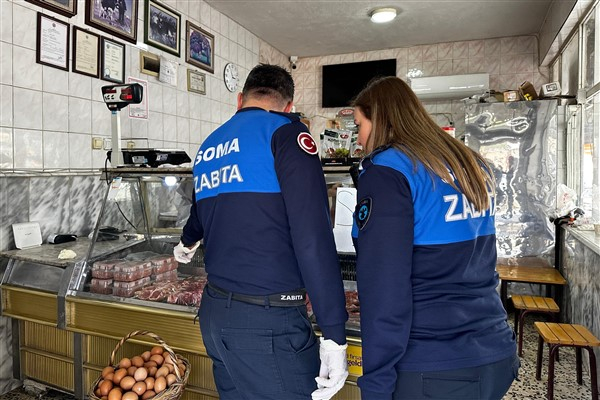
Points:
(97, 143)
(107, 144)
(130, 144)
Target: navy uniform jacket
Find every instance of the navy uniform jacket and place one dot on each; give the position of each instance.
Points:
(426, 275)
(262, 208)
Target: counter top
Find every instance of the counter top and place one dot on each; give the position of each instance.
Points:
(587, 237)
(48, 253)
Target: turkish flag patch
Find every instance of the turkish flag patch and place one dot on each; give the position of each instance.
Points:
(307, 143)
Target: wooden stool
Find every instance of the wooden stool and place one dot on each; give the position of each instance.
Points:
(531, 304)
(557, 335)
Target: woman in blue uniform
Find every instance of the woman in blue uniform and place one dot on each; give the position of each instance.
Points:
(432, 323)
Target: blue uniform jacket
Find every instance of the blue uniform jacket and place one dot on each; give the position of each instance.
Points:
(426, 275)
(262, 209)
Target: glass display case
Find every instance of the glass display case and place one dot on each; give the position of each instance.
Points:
(130, 259)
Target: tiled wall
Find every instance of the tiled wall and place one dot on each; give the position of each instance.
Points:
(48, 116)
(509, 61)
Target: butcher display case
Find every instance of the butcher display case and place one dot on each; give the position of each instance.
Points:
(124, 279)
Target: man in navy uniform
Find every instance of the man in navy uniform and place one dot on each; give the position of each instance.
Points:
(261, 208)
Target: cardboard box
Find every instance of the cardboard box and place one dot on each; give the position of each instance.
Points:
(527, 91)
(511, 95)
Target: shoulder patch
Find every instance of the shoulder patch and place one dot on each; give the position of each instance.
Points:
(363, 212)
(307, 143)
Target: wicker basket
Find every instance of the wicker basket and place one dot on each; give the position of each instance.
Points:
(174, 391)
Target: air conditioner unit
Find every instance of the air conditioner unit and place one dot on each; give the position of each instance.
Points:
(450, 86)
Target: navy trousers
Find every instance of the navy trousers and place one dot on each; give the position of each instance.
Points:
(259, 352)
(487, 382)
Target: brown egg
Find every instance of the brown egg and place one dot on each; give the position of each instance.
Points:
(146, 355)
(139, 388)
(97, 391)
(160, 384)
(152, 371)
(131, 370)
(171, 379)
(125, 363)
(162, 371)
(107, 370)
(105, 387)
(149, 383)
(137, 361)
(158, 359)
(167, 358)
(110, 376)
(157, 350)
(140, 374)
(148, 394)
(127, 382)
(115, 394)
(149, 364)
(129, 396)
(119, 374)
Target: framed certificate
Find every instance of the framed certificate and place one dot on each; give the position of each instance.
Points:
(113, 61)
(196, 81)
(52, 45)
(86, 52)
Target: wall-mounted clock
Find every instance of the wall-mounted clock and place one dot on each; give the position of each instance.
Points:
(231, 77)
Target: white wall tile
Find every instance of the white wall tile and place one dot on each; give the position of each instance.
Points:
(155, 97)
(26, 72)
(194, 14)
(80, 86)
(80, 150)
(24, 26)
(444, 51)
(80, 115)
(28, 148)
(55, 112)
(55, 80)
(6, 147)
(169, 100)
(6, 106)
(139, 128)
(183, 129)
(6, 28)
(205, 11)
(101, 119)
(6, 58)
(155, 129)
(169, 127)
(27, 108)
(56, 149)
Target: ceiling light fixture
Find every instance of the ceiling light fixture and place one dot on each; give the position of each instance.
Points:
(382, 15)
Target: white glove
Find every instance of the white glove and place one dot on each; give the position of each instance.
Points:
(184, 254)
(334, 369)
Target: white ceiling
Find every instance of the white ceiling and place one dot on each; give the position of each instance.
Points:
(324, 27)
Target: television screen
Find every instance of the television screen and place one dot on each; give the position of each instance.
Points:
(342, 82)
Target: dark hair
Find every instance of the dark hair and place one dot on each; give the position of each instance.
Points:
(270, 81)
(400, 120)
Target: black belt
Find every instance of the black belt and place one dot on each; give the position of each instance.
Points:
(288, 299)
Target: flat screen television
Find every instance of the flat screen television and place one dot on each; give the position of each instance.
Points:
(342, 82)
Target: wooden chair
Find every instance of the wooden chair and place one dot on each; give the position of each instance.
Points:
(566, 335)
(531, 304)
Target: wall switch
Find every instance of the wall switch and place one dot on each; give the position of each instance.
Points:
(130, 144)
(97, 143)
(107, 144)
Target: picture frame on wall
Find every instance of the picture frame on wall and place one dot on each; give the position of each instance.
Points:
(117, 17)
(162, 27)
(200, 47)
(68, 8)
(113, 61)
(52, 42)
(196, 81)
(86, 52)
